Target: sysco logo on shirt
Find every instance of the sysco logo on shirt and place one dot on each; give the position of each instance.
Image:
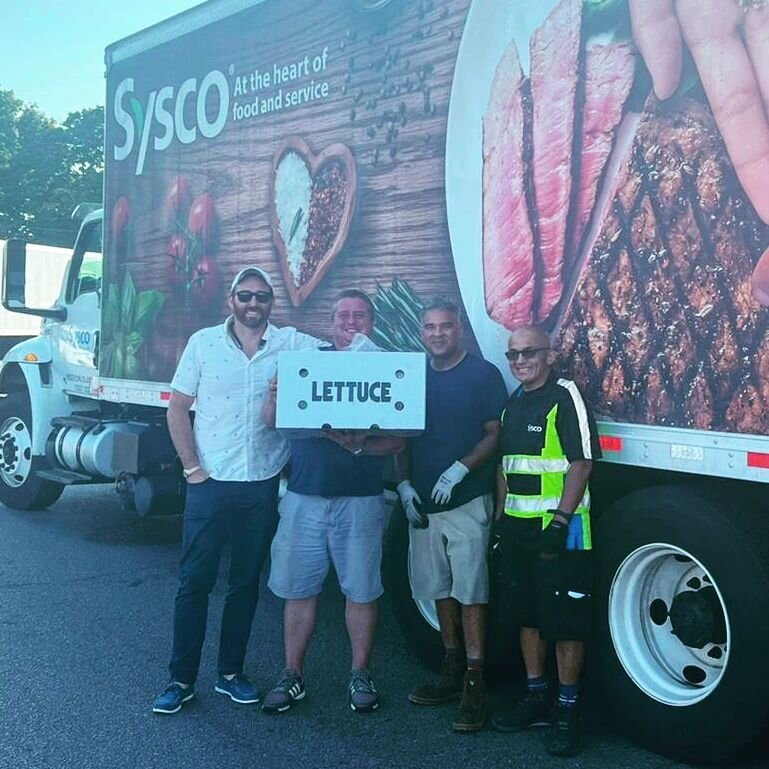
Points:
(162, 117)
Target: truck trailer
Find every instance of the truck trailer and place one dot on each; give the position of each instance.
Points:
(519, 156)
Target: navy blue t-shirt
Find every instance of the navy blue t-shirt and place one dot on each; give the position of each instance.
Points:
(459, 402)
(319, 467)
(322, 468)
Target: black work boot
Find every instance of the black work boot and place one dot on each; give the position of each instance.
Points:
(449, 685)
(565, 735)
(472, 709)
(533, 709)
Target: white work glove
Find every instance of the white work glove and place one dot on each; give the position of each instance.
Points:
(410, 499)
(445, 485)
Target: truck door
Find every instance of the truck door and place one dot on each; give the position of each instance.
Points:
(75, 339)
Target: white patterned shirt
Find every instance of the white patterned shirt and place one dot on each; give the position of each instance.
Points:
(232, 440)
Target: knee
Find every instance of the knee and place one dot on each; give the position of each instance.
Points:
(196, 583)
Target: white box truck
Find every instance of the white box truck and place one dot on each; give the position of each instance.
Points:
(514, 155)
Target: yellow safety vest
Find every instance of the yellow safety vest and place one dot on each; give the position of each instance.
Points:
(551, 465)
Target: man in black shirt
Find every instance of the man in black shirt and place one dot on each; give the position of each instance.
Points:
(548, 443)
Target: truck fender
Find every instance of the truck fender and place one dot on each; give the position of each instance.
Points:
(38, 346)
(34, 380)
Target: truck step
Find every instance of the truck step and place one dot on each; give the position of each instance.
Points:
(67, 477)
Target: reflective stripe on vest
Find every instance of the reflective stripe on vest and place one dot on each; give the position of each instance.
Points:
(551, 467)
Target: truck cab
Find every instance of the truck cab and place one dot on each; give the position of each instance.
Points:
(55, 430)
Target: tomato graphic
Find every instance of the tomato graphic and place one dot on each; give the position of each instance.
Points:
(177, 262)
(202, 220)
(177, 200)
(120, 214)
(204, 284)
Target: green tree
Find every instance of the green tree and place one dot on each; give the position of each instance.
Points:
(46, 169)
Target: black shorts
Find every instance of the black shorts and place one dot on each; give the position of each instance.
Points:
(554, 596)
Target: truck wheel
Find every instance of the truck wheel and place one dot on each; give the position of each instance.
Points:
(418, 621)
(683, 626)
(20, 487)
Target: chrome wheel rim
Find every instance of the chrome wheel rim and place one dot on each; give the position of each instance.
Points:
(669, 624)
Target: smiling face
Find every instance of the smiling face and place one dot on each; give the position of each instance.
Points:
(352, 315)
(442, 334)
(251, 314)
(531, 372)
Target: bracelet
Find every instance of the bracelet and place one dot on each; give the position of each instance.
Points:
(566, 516)
(187, 473)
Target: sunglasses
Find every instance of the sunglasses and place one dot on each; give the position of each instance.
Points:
(244, 297)
(528, 354)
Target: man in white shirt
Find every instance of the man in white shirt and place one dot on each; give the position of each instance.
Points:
(232, 462)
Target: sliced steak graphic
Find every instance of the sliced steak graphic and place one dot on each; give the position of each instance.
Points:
(547, 143)
(555, 65)
(508, 240)
(608, 79)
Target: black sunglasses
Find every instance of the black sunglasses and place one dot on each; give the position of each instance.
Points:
(245, 296)
(528, 354)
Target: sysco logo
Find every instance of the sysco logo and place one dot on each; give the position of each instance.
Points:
(165, 110)
(534, 428)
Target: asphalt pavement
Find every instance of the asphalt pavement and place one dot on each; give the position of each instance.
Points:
(86, 593)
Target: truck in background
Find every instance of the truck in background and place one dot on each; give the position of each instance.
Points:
(398, 147)
(50, 264)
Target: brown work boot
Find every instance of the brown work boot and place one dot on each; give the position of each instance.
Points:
(448, 687)
(472, 709)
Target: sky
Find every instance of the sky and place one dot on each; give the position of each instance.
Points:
(52, 51)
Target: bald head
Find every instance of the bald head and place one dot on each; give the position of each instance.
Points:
(533, 336)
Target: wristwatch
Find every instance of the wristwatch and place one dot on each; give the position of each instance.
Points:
(357, 452)
(191, 471)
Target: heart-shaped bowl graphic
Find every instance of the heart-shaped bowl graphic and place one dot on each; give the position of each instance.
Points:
(312, 203)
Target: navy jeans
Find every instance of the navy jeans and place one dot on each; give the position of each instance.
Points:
(245, 513)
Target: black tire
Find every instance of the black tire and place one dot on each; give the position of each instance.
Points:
(20, 486)
(730, 546)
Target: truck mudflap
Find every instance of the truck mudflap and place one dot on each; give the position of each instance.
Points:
(683, 620)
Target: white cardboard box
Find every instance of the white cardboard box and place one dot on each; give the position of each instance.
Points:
(351, 391)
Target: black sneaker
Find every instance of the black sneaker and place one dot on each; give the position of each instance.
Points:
(362, 695)
(239, 689)
(288, 690)
(565, 735)
(172, 698)
(534, 709)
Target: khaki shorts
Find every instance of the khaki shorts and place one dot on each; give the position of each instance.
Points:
(448, 558)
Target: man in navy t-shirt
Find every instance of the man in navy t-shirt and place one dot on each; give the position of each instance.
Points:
(332, 514)
(448, 499)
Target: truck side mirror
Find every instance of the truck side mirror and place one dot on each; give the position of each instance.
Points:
(14, 282)
(15, 272)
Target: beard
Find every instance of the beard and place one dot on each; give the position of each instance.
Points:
(250, 317)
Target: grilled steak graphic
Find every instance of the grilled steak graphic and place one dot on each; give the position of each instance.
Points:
(663, 327)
